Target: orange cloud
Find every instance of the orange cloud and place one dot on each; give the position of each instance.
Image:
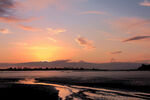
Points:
(116, 52)
(94, 12)
(28, 28)
(114, 39)
(19, 44)
(132, 25)
(52, 39)
(55, 31)
(36, 4)
(41, 4)
(16, 19)
(85, 42)
(4, 31)
(145, 3)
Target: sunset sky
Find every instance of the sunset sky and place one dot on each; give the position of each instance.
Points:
(89, 30)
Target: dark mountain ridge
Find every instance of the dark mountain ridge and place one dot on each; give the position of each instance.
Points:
(70, 64)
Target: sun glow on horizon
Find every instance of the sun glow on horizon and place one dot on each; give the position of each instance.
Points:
(88, 30)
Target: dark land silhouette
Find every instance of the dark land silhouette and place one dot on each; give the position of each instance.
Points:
(10, 89)
(144, 67)
(46, 92)
(50, 69)
(23, 91)
(73, 65)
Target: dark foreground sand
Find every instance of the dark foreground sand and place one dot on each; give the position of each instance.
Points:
(126, 85)
(26, 91)
(12, 88)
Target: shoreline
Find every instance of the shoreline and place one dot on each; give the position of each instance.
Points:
(68, 70)
(110, 84)
(27, 91)
(83, 84)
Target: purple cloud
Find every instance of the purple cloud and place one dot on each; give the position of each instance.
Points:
(136, 38)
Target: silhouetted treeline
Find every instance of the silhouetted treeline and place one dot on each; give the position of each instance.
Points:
(144, 67)
(71, 64)
(46, 69)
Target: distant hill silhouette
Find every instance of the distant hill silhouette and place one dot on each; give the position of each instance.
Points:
(70, 64)
(144, 67)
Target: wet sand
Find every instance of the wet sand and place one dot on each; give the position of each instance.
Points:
(70, 85)
(11, 90)
(125, 85)
(63, 89)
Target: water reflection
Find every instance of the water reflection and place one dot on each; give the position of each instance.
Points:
(85, 74)
(27, 81)
(64, 91)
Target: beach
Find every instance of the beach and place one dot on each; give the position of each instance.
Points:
(73, 86)
(11, 90)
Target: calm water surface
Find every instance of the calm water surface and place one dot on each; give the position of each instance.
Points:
(88, 74)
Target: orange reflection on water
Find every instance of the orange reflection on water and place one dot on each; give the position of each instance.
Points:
(64, 91)
(27, 81)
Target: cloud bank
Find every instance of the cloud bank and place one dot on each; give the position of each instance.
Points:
(6, 7)
(8, 10)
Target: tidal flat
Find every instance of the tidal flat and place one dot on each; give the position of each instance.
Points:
(73, 85)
